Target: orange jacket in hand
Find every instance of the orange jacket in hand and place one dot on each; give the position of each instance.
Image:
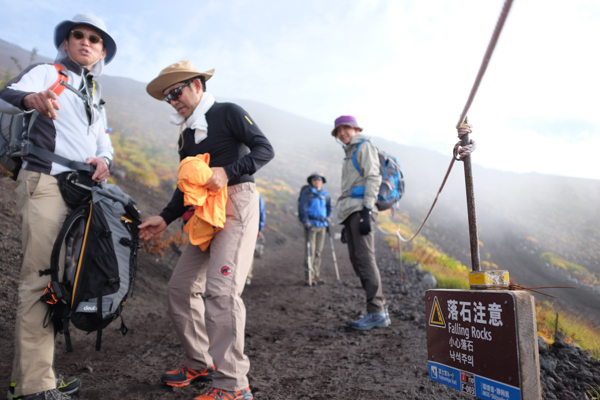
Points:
(209, 216)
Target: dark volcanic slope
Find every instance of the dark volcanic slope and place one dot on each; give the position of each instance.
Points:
(520, 216)
(298, 338)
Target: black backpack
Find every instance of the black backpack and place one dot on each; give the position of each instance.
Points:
(100, 241)
(392, 182)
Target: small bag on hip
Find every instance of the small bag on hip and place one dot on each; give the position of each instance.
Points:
(76, 187)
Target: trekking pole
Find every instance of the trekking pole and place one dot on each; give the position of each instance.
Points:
(337, 272)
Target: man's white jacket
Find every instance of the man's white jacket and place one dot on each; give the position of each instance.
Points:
(76, 134)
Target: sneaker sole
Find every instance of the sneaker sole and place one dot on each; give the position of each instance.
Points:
(201, 378)
(380, 325)
(70, 391)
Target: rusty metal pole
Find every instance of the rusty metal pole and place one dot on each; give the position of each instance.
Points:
(474, 237)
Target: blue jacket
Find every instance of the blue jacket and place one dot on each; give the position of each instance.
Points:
(263, 213)
(314, 207)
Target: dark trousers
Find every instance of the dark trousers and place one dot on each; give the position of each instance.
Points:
(362, 256)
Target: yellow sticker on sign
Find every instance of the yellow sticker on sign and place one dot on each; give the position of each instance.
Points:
(248, 120)
(437, 318)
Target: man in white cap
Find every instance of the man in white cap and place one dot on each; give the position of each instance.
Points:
(212, 331)
(69, 128)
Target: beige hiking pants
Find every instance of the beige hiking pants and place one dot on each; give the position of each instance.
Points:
(43, 210)
(212, 331)
(316, 237)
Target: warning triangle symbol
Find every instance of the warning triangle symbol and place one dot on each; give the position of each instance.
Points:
(436, 318)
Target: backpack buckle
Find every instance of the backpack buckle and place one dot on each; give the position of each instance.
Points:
(54, 293)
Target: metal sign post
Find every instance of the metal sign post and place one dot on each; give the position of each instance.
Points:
(474, 237)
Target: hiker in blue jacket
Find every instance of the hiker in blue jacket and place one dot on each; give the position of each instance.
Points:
(314, 211)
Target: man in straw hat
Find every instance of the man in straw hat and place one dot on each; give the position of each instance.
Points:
(356, 211)
(314, 211)
(74, 129)
(212, 333)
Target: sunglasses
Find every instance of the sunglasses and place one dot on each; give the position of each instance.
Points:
(93, 38)
(176, 93)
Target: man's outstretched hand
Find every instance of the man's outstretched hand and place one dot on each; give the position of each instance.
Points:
(152, 226)
(46, 103)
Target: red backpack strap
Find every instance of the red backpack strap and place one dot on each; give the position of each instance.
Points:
(63, 76)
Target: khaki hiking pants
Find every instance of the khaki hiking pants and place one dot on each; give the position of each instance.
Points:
(43, 210)
(362, 257)
(316, 237)
(212, 331)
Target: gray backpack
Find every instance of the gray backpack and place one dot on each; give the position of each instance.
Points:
(100, 242)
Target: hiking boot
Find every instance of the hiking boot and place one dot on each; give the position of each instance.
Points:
(65, 386)
(307, 283)
(184, 376)
(320, 281)
(69, 385)
(52, 394)
(220, 394)
(370, 321)
(11, 391)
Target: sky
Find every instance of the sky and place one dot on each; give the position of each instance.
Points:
(403, 68)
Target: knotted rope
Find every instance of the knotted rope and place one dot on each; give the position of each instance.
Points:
(460, 151)
(459, 154)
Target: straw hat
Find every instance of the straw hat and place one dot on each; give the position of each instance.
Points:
(178, 72)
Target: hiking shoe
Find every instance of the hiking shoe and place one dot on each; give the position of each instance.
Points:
(220, 394)
(370, 321)
(184, 376)
(69, 385)
(65, 386)
(52, 394)
(320, 281)
(11, 391)
(307, 283)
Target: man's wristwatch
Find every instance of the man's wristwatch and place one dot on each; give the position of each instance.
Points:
(107, 161)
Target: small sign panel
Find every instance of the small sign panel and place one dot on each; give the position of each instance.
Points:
(472, 342)
(437, 318)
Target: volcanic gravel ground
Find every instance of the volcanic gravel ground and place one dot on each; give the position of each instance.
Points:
(298, 338)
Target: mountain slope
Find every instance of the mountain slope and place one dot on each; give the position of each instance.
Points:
(520, 216)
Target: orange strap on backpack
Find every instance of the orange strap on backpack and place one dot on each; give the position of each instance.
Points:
(63, 76)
